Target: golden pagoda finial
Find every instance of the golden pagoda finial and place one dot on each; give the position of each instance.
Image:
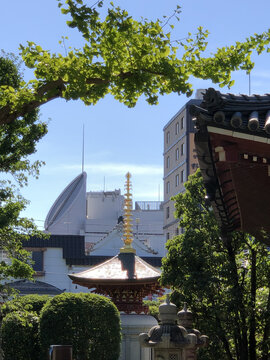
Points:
(128, 235)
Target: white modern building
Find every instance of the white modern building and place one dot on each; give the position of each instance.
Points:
(95, 215)
(85, 229)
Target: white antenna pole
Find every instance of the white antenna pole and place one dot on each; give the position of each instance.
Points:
(83, 151)
(104, 184)
(158, 192)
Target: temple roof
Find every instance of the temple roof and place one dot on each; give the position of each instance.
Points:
(233, 148)
(74, 250)
(123, 268)
(112, 242)
(26, 287)
(239, 113)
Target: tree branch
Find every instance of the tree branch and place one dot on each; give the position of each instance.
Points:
(54, 89)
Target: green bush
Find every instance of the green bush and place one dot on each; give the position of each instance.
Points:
(153, 306)
(88, 322)
(32, 303)
(20, 336)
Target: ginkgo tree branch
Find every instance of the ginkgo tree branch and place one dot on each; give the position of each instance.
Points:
(125, 58)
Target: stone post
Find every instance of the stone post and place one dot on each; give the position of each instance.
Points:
(174, 338)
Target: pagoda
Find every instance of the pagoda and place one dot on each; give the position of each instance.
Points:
(126, 279)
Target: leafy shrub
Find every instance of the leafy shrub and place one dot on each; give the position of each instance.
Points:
(20, 336)
(32, 303)
(88, 322)
(153, 306)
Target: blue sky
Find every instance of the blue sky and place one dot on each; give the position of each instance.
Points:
(118, 139)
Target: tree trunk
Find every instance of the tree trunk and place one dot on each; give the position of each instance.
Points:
(236, 344)
(252, 319)
(240, 307)
(223, 338)
(1, 351)
(266, 334)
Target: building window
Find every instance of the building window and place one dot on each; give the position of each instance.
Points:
(168, 162)
(167, 212)
(167, 236)
(194, 166)
(177, 180)
(37, 257)
(177, 128)
(182, 176)
(182, 149)
(177, 231)
(177, 154)
(167, 187)
(182, 123)
(168, 137)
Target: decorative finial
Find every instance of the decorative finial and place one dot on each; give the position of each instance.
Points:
(168, 299)
(128, 235)
(185, 317)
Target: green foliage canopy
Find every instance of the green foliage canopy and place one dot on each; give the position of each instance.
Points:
(32, 303)
(17, 141)
(122, 57)
(224, 280)
(20, 336)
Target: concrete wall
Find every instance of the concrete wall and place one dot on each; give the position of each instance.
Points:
(56, 271)
(107, 205)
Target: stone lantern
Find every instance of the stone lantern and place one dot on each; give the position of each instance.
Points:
(174, 338)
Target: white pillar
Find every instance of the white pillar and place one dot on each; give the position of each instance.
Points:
(132, 326)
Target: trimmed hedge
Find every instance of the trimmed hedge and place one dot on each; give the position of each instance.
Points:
(20, 336)
(32, 303)
(88, 322)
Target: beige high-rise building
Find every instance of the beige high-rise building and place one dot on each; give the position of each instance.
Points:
(180, 160)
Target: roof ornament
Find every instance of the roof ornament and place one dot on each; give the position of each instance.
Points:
(128, 234)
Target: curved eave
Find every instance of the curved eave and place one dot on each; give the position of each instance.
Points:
(124, 269)
(112, 282)
(227, 220)
(233, 148)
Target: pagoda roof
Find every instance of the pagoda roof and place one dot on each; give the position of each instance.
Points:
(233, 148)
(124, 268)
(125, 278)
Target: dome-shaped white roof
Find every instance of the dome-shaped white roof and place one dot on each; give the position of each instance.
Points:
(70, 203)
